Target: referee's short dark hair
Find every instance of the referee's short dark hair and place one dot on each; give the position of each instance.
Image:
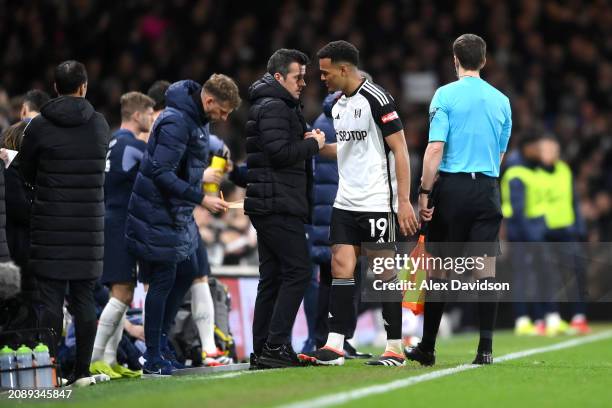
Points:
(157, 92)
(69, 76)
(340, 51)
(470, 50)
(35, 99)
(281, 59)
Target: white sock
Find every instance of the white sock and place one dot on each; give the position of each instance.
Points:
(395, 346)
(335, 341)
(144, 301)
(110, 352)
(203, 314)
(109, 319)
(553, 319)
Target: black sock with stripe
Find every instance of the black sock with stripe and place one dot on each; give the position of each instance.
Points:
(341, 310)
(392, 315)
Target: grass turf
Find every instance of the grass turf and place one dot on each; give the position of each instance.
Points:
(577, 376)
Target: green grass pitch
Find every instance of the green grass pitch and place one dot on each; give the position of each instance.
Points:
(579, 376)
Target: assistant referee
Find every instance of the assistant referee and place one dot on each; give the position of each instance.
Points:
(470, 125)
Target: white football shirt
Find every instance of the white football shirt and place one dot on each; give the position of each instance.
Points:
(366, 165)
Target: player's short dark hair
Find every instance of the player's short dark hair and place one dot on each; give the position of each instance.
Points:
(69, 75)
(281, 59)
(340, 51)
(157, 92)
(35, 99)
(470, 50)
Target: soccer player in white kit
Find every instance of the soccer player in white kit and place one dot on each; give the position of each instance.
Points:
(373, 199)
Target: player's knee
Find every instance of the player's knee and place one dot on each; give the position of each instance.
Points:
(202, 279)
(123, 293)
(341, 269)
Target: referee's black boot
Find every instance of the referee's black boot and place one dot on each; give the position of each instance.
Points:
(351, 352)
(254, 362)
(483, 357)
(425, 358)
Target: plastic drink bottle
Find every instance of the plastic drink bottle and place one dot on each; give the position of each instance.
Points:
(24, 360)
(8, 362)
(44, 376)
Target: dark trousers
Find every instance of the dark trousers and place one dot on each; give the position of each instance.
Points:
(310, 304)
(81, 305)
(168, 284)
(284, 273)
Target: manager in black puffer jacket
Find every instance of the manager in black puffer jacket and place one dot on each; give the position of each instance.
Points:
(279, 152)
(63, 156)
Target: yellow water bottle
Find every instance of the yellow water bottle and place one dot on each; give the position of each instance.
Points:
(217, 163)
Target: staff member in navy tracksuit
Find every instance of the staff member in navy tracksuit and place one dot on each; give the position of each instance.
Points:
(160, 227)
(125, 153)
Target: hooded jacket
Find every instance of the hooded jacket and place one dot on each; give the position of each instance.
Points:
(279, 175)
(160, 225)
(63, 156)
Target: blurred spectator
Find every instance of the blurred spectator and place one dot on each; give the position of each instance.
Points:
(19, 197)
(238, 238)
(551, 58)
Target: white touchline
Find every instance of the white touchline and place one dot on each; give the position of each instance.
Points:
(344, 397)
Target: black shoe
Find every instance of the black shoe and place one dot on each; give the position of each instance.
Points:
(483, 357)
(278, 357)
(350, 352)
(425, 358)
(254, 362)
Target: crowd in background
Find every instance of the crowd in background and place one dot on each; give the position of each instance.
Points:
(552, 58)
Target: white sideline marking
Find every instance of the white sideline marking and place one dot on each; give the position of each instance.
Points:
(344, 397)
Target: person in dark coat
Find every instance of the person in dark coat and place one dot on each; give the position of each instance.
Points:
(9, 273)
(160, 227)
(279, 152)
(63, 156)
(19, 197)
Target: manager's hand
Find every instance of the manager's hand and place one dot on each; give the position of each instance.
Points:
(407, 219)
(424, 212)
(317, 134)
(214, 204)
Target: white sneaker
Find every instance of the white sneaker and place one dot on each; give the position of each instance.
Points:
(84, 382)
(101, 378)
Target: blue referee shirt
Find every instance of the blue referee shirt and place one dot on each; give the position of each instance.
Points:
(474, 121)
